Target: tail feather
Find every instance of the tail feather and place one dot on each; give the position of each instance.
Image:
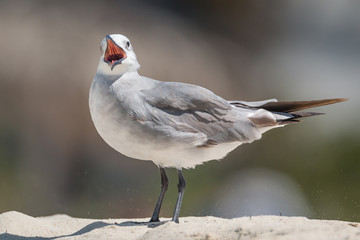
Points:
(293, 106)
(282, 113)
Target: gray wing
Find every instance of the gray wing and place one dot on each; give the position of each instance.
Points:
(180, 108)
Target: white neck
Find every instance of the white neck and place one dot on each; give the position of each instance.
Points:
(118, 70)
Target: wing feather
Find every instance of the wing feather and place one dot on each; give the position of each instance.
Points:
(191, 108)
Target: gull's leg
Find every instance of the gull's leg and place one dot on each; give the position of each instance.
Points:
(164, 187)
(181, 188)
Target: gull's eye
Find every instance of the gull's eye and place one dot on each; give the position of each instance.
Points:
(128, 44)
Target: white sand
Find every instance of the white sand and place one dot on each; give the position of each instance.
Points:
(15, 225)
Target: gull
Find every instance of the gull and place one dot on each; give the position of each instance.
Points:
(175, 125)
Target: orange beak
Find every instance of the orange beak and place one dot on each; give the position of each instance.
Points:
(114, 54)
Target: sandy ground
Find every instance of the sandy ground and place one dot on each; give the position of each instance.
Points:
(15, 225)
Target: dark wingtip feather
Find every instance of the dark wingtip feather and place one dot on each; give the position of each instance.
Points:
(297, 115)
(305, 114)
(293, 106)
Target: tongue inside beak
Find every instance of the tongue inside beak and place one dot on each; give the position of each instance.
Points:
(114, 54)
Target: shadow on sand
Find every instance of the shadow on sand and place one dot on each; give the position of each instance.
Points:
(86, 229)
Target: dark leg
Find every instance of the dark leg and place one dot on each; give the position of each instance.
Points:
(164, 187)
(181, 188)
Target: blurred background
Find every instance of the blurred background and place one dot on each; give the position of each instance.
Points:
(53, 161)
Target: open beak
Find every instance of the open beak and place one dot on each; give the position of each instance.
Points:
(114, 54)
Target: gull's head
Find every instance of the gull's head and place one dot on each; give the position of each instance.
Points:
(117, 55)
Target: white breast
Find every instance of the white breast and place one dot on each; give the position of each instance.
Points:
(113, 127)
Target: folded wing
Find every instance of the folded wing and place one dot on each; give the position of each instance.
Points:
(193, 109)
